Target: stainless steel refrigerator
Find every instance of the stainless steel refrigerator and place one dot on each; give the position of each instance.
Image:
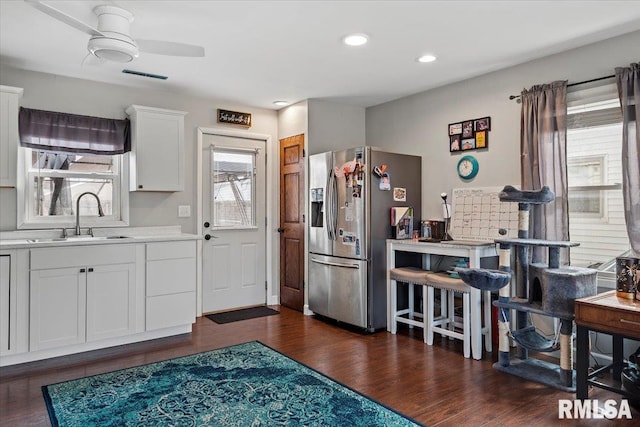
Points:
(351, 194)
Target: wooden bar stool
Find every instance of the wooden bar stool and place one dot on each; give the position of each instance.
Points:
(445, 324)
(411, 276)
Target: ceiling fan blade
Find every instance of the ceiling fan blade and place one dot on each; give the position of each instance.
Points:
(63, 17)
(169, 48)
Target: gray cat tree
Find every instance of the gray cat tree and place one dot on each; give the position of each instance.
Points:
(544, 289)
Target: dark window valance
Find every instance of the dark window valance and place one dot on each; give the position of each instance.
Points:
(55, 131)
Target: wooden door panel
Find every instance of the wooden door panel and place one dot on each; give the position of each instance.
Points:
(292, 222)
(293, 275)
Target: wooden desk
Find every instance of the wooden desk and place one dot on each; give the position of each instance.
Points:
(472, 250)
(609, 314)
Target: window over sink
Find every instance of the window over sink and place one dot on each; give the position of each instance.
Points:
(52, 182)
(63, 156)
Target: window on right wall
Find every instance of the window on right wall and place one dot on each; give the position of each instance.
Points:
(594, 169)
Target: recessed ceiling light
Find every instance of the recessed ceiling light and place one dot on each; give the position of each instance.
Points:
(280, 103)
(426, 58)
(355, 39)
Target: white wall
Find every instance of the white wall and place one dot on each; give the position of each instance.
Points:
(56, 93)
(293, 120)
(418, 124)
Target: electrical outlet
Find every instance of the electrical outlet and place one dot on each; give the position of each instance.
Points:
(184, 211)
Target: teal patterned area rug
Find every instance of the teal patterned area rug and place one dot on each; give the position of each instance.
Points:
(244, 385)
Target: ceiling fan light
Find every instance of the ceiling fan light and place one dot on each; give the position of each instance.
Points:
(112, 49)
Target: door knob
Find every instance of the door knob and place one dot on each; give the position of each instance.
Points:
(207, 237)
(280, 230)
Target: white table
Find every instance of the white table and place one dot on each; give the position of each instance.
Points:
(472, 250)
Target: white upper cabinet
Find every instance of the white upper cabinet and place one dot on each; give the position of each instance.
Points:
(9, 107)
(157, 149)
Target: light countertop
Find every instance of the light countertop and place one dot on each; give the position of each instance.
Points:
(102, 236)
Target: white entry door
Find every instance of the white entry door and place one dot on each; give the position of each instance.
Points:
(234, 217)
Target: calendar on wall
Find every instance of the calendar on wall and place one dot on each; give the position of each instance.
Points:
(478, 214)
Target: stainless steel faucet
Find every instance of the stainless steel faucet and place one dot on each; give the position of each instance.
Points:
(100, 212)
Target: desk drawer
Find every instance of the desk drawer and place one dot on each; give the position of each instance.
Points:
(622, 322)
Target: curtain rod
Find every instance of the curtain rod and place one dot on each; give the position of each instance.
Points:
(575, 84)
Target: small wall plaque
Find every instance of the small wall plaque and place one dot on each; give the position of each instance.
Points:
(234, 118)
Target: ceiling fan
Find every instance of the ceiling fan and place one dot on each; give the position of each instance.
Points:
(111, 40)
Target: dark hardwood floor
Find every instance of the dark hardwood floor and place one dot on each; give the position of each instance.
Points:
(435, 385)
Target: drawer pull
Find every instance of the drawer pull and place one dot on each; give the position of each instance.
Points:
(630, 321)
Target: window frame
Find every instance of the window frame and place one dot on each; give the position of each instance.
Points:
(25, 203)
(602, 161)
(601, 237)
(230, 150)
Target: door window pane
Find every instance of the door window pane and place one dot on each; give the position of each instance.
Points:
(233, 188)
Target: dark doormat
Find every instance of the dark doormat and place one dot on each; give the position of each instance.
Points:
(244, 314)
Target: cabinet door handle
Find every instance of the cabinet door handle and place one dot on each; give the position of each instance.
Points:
(630, 321)
(90, 269)
(82, 270)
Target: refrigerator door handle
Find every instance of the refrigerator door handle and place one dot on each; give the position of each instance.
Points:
(335, 264)
(328, 207)
(334, 204)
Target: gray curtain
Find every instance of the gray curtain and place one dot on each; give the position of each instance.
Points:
(543, 149)
(72, 133)
(628, 81)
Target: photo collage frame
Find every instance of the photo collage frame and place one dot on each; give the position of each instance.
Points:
(469, 135)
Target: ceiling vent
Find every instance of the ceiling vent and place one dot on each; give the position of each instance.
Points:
(143, 74)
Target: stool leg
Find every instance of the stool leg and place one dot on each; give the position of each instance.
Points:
(451, 311)
(393, 306)
(487, 322)
(411, 303)
(425, 309)
(466, 323)
(429, 314)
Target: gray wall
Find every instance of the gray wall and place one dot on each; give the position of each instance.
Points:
(52, 92)
(335, 126)
(418, 124)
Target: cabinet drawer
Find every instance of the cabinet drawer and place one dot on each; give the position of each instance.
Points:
(169, 250)
(626, 323)
(77, 256)
(171, 276)
(165, 311)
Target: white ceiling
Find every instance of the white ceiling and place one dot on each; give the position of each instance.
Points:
(261, 51)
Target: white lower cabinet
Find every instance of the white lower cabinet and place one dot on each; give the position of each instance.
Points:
(14, 304)
(85, 302)
(111, 301)
(171, 284)
(67, 299)
(58, 307)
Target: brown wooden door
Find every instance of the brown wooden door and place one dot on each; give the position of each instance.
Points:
(292, 222)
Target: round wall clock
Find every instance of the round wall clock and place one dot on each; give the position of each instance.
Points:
(468, 167)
